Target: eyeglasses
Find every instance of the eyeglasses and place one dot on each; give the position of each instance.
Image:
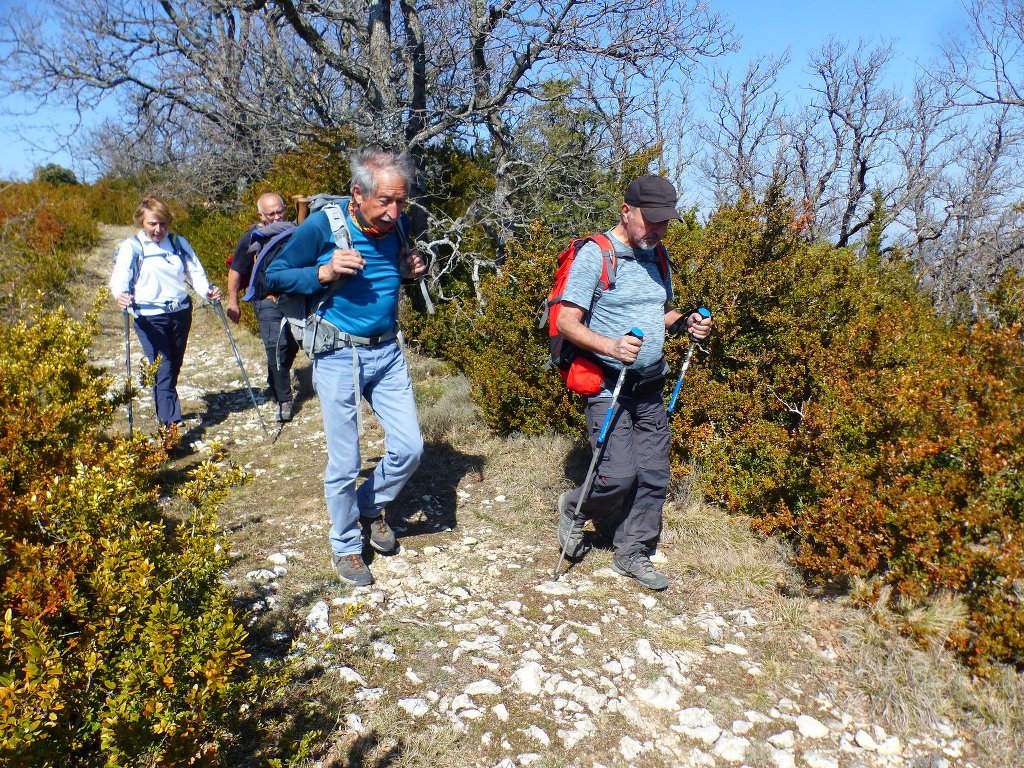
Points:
(279, 213)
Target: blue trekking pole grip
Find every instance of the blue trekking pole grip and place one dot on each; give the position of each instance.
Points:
(686, 364)
(634, 331)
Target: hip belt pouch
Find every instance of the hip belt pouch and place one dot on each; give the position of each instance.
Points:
(647, 379)
(584, 376)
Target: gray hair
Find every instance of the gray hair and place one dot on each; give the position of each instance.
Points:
(367, 162)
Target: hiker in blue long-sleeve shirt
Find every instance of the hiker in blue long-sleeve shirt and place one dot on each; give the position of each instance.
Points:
(365, 360)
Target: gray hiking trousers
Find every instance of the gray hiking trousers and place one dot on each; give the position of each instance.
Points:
(631, 479)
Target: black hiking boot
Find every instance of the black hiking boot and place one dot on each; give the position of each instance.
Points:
(638, 566)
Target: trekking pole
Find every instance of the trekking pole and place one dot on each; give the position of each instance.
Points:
(686, 364)
(238, 357)
(128, 365)
(598, 449)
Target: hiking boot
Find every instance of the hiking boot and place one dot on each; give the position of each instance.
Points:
(382, 538)
(570, 530)
(352, 570)
(284, 411)
(638, 565)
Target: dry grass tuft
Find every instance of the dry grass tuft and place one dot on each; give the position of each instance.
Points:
(935, 620)
(905, 687)
(445, 408)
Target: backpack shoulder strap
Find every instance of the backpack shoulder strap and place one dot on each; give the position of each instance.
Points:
(403, 236)
(342, 238)
(133, 271)
(664, 262)
(608, 262)
(339, 227)
(180, 251)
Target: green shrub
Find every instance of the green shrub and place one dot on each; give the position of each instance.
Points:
(501, 350)
(113, 201)
(118, 645)
(51, 173)
(837, 409)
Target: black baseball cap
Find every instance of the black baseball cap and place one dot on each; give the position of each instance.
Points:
(655, 196)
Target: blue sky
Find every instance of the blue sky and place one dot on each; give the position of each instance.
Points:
(915, 27)
(765, 26)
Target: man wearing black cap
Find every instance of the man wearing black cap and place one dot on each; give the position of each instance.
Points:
(632, 474)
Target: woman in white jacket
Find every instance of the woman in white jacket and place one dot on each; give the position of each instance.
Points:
(149, 280)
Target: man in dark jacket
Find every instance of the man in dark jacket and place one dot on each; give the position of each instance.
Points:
(277, 337)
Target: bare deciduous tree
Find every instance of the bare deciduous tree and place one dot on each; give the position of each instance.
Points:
(742, 137)
(223, 85)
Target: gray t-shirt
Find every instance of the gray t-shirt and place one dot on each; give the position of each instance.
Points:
(638, 298)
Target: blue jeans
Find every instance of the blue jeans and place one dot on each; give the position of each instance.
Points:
(385, 384)
(165, 336)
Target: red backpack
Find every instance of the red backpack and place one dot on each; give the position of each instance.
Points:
(581, 373)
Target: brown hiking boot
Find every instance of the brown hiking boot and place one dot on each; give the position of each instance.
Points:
(352, 570)
(382, 538)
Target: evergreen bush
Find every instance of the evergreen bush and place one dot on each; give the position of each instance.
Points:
(118, 645)
(836, 408)
(43, 229)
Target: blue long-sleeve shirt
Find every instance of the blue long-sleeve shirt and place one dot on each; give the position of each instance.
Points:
(366, 304)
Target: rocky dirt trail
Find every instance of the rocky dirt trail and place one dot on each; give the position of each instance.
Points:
(466, 653)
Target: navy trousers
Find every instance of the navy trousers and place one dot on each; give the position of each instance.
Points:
(166, 335)
(280, 346)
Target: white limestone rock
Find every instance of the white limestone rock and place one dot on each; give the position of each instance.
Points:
(316, 619)
(661, 695)
(731, 748)
(865, 740)
(538, 734)
(483, 688)
(784, 740)
(528, 678)
(415, 706)
(349, 675)
(811, 727)
(699, 724)
(891, 746)
(782, 758)
(630, 748)
(820, 760)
